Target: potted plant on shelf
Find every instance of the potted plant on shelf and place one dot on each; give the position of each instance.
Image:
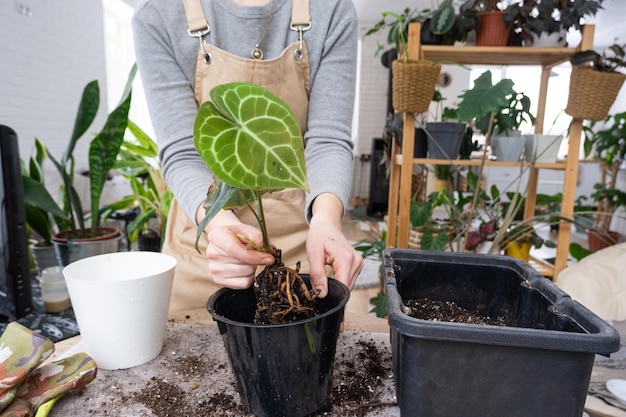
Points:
(437, 230)
(545, 23)
(83, 234)
(414, 80)
(595, 81)
(506, 136)
(492, 28)
(273, 377)
(608, 142)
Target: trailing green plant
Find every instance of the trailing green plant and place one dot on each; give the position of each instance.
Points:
(610, 60)
(443, 22)
(251, 141)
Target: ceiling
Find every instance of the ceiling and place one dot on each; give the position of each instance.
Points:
(609, 22)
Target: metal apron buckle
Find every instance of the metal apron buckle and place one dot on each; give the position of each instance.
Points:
(200, 34)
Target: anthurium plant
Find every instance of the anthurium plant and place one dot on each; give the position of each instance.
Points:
(251, 141)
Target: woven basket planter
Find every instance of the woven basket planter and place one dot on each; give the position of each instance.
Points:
(592, 93)
(414, 85)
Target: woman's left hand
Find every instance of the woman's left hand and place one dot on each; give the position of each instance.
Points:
(327, 245)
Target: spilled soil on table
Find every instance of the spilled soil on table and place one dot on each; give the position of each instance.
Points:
(359, 372)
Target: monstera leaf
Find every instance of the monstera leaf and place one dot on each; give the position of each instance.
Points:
(250, 139)
(484, 97)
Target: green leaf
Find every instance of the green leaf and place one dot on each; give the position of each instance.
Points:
(380, 305)
(87, 110)
(434, 241)
(484, 98)
(105, 146)
(36, 194)
(250, 139)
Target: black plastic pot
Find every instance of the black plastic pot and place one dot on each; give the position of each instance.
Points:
(280, 370)
(538, 365)
(444, 139)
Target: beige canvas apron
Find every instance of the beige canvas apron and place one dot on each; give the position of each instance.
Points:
(285, 76)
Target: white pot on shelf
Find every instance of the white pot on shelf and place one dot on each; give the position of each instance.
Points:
(508, 147)
(542, 148)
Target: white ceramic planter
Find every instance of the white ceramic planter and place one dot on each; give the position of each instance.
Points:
(542, 148)
(508, 148)
(121, 301)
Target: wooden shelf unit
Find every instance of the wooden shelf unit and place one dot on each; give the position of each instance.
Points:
(401, 169)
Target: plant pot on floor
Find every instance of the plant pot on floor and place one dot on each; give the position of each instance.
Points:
(280, 370)
(600, 239)
(444, 139)
(70, 249)
(537, 364)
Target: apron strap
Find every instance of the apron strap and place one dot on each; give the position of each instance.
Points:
(198, 25)
(300, 16)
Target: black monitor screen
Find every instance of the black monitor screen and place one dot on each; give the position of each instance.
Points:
(15, 282)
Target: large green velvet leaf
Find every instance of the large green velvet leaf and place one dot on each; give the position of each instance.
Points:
(250, 139)
(484, 98)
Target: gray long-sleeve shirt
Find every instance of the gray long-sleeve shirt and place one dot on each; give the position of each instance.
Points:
(166, 57)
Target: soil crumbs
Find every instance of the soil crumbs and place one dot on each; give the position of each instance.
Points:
(449, 311)
(192, 377)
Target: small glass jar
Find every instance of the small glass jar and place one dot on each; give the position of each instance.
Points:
(53, 290)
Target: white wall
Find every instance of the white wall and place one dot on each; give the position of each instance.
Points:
(49, 54)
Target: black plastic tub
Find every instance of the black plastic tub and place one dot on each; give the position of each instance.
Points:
(538, 365)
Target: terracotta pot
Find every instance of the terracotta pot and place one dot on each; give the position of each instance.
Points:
(598, 240)
(492, 30)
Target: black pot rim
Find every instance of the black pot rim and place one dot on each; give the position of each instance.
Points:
(333, 285)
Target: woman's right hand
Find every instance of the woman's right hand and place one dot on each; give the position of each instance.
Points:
(232, 261)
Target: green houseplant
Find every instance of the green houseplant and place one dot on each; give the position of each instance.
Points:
(608, 141)
(506, 139)
(41, 209)
(83, 226)
(151, 197)
(595, 81)
(414, 79)
(256, 322)
(490, 19)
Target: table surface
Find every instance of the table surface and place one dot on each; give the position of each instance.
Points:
(193, 359)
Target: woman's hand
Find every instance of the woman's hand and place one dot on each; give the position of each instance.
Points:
(232, 261)
(327, 245)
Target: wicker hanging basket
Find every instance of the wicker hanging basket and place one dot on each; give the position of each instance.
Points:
(414, 85)
(592, 93)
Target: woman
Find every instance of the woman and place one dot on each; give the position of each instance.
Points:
(304, 53)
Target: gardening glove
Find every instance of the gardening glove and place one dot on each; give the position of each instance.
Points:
(50, 382)
(21, 351)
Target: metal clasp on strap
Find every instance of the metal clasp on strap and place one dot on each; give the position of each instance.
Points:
(200, 35)
(300, 29)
